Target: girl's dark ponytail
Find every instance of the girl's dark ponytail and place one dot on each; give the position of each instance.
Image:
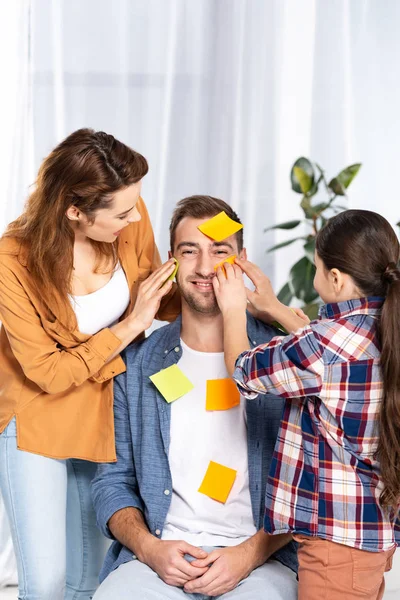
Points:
(363, 244)
(388, 452)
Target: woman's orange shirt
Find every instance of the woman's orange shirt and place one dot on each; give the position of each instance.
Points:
(54, 380)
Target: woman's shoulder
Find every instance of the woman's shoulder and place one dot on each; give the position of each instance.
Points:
(13, 254)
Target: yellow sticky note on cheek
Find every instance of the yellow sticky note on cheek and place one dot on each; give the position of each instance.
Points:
(218, 482)
(172, 383)
(222, 394)
(220, 227)
(230, 260)
(174, 272)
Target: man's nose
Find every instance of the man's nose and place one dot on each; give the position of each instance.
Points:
(205, 266)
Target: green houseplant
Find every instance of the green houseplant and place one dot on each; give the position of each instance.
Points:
(307, 178)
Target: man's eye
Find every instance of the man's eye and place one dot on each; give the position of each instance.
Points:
(221, 252)
(188, 252)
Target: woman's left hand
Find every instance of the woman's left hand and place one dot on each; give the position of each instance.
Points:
(230, 290)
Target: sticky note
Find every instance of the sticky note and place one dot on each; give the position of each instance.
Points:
(222, 394)
(174, 272)
(218, 482)
(220, 227)
(229, 259)
(172, 383)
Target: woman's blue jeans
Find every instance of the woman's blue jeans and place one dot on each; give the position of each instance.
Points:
(58, 547)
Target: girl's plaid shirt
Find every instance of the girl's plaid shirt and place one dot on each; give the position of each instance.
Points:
(324, 480)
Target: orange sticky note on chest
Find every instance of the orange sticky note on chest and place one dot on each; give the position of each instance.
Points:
(218, 482)
(220, 227)
(222, 394)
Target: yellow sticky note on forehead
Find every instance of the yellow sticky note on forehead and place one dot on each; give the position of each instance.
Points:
(220, 227)
(222, 394)
(218, 482)
(172, 383)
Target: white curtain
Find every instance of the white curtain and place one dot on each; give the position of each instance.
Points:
(223, 95)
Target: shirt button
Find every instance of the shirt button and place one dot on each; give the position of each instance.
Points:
(254, 342)
(177, 349)
(157, 532)
(165, 351)
(166, 492)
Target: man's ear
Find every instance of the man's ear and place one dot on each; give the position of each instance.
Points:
(170, 255)
(243, 254)
(72, 213)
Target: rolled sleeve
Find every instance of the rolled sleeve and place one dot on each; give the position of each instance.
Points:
(288, 367)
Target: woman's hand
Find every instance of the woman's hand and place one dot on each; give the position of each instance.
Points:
(150, 293)
(230, 290)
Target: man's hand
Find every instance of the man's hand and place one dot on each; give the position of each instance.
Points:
(166, 558)
(228, 566)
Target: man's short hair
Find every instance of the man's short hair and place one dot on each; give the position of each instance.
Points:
(200, 207)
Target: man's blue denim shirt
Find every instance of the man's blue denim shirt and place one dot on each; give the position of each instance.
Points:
(141, 477)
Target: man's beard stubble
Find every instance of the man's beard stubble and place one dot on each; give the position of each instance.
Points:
(194, 302)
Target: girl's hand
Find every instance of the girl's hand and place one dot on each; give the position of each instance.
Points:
(150, 293)
(263, 298)
(230, 290)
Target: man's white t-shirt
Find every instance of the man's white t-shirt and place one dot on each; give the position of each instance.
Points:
(198, 436)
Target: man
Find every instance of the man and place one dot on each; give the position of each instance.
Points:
(172, 541)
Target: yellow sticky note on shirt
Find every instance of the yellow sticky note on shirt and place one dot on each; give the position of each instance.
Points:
(174, 272)
(230, 260)
(172, 383)
(218, 482)
(222, 394)
(220, 227)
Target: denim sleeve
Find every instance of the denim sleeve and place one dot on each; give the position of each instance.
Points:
(115, 485)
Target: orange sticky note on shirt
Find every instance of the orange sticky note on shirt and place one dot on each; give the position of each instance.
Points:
(172, 383)
(220, 227)
(230, 260)
(222, 394)
(218, 482)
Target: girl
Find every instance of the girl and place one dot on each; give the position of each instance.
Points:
(335, 478)
(71, 299)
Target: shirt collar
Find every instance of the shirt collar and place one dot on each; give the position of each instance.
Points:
(172, 341)
(371, 305)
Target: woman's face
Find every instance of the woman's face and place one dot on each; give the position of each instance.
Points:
(110, 221)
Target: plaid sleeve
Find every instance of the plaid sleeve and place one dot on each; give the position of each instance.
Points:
(290, 367)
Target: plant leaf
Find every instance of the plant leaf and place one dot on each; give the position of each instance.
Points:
(301, 280)
(306, 206)
(311, 310)
(347, 175)
(341, 182)
(283, 244)
(305, 181)
(337, 187)
(286, 225)
(309, 248)
(285, 295)
(306, 166)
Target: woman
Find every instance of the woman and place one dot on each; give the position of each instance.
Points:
(80, 278)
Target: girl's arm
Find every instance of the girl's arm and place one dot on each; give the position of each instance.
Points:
(288, 366)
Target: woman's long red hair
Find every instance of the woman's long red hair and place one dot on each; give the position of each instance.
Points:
(84, 170)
